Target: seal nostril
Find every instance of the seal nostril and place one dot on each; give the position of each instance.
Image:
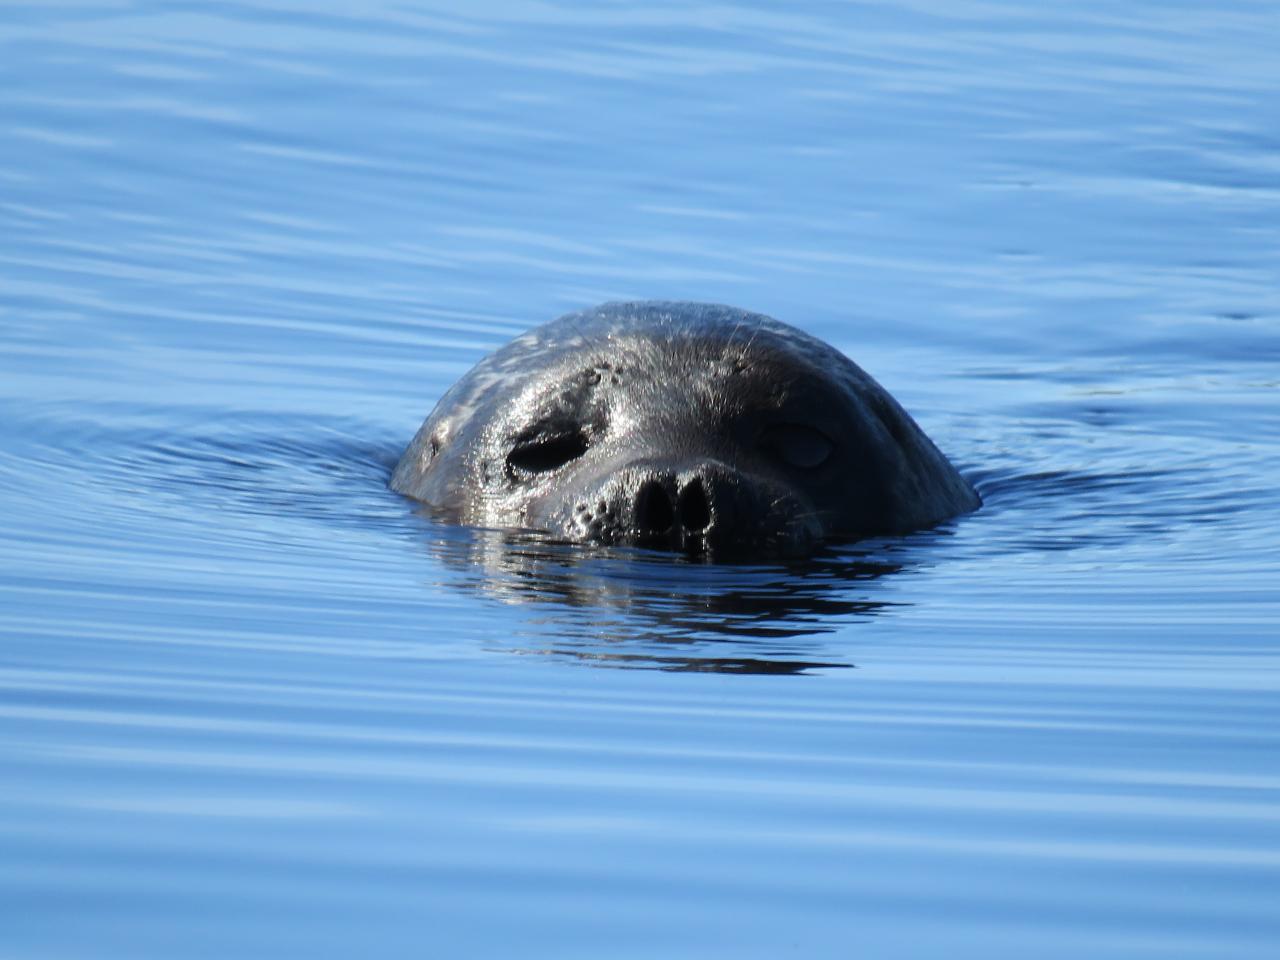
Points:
(695, 512)
(653, 509)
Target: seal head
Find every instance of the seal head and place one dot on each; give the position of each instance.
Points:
(682, 426)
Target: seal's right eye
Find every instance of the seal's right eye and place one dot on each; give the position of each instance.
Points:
(544, 453)
(799, 445)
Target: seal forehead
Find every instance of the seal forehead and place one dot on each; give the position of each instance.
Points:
(667, 370)
(651, 361)
(654, 361)
(660, 333)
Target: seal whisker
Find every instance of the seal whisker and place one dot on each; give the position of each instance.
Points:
(754, 334)
(733, 334)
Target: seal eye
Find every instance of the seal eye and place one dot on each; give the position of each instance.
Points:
(542, 453)
(798, 445)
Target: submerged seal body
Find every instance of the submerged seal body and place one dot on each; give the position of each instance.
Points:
(682, 426)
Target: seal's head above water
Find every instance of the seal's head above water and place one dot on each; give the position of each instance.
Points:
(683, 426)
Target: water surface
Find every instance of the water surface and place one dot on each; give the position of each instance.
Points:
(254, 704)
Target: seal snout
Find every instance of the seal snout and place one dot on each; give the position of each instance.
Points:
(653, 512)
(704, 508)
(708, 508)
(695, 510)
(657, 515)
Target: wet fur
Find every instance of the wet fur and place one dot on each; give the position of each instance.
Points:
(689, 402)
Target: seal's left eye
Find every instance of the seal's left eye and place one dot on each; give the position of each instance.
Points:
(798, 445)
(542, 453)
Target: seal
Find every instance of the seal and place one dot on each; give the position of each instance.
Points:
(679, 426)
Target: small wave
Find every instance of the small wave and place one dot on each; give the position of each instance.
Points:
(332, 471)
(1010, 486)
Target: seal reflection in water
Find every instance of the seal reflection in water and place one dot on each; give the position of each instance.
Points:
(681, 426)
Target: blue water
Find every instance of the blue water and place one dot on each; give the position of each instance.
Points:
(256, 705)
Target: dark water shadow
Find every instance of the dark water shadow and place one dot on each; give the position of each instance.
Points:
(632, 608)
